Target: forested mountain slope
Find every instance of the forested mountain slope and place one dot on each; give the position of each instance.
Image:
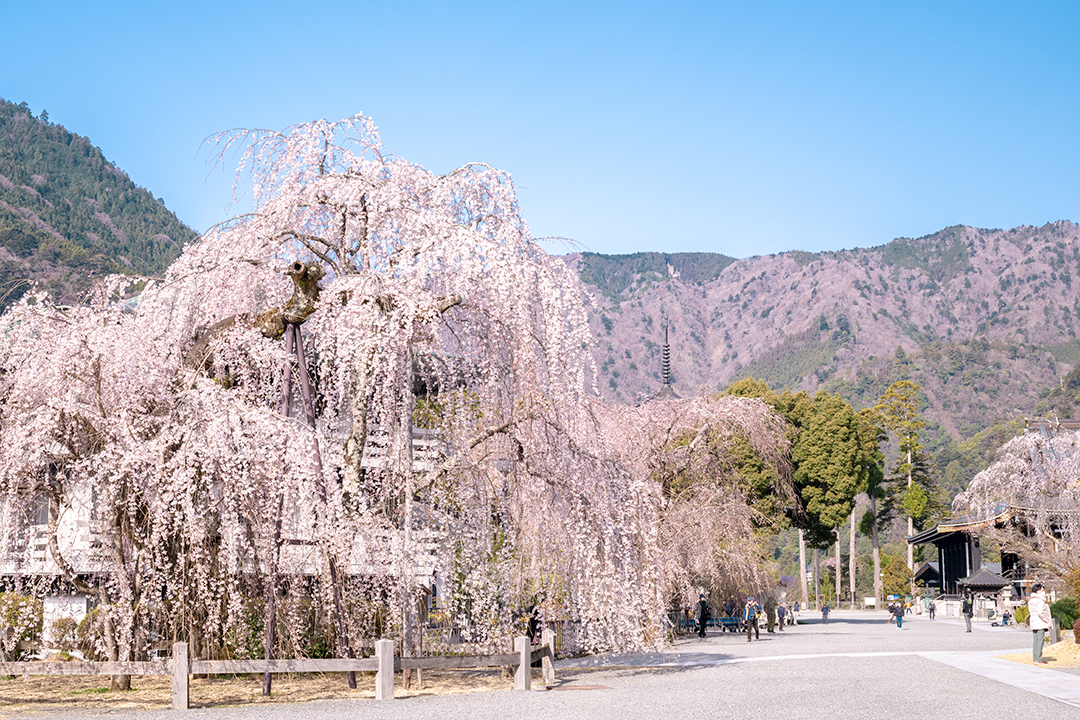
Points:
(984, 320)
(67, 213)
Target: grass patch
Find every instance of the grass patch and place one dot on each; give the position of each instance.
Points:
(1067, 353)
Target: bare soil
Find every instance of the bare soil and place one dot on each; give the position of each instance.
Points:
(46, 693)
(1064, 654)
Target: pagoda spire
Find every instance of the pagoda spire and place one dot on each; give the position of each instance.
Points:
(665, 370)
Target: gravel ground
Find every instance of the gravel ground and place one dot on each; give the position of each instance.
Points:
(857, 666)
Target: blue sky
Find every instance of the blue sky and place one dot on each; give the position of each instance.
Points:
(742, 128)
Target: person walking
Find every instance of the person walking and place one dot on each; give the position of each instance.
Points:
(825, 614)
(1039, 619)
(932, 608)
(751, 613)
(967, 610)
(703, 615)
(781, 614)
(898, 613)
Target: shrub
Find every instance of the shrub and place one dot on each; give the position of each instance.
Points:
(20, 622)
(1066, 611)
(90, 636)
(1021, 615)
(64, 633)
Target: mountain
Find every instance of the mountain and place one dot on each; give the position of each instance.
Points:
(985, 321)
(67, 213)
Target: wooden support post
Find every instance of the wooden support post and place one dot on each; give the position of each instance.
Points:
(523, 673)
(547, 638)
(1055, 630)
(180, 676)
(384, 676)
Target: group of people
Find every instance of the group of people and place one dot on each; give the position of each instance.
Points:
(749, 617)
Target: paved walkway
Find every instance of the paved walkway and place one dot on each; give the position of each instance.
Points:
(854, 635)
(857, 666)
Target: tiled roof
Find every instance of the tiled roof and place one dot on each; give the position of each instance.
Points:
(984, 578)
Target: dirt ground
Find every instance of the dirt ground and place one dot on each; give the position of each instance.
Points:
(45, 693)
(1064, 654)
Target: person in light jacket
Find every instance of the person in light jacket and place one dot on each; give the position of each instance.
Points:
(1039, 619)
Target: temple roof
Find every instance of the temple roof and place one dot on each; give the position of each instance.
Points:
(929, 573)
(964, 524)
(983, 578)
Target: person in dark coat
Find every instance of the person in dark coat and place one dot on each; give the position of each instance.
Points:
(898, 613)
(967, 610)
(703, 615)
(751, 613)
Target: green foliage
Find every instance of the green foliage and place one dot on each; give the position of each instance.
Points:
(248, 640)
(1066, 353)
(1021, 615)
(800, 355)
(24, 616)
(866, 523)
(942, 256)
(753, 388)
(831, 458)
(1066, 610)
(802, 257)
(64, 632)
(90, 636)
(834, 455)
(898, 410)
(896, 576)
(63, 203)
(1061, 400)
(916, 500)
(962, 461)
(613, 274)
(912, 489)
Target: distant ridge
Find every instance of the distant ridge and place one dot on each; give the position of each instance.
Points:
(986, 321)
(67, 213)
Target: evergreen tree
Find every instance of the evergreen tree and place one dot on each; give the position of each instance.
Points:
(912, 489)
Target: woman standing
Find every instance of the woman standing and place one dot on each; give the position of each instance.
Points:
(1040, 621)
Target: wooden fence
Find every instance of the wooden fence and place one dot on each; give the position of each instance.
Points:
(384, 664)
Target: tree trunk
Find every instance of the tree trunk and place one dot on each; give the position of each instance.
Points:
(839, 568)
(817, 577)
(271, 598)
(852, 558)
(408, 567)
(802, 569)
(336, 579)
(875, 544)
(271, 580)
(910, 522)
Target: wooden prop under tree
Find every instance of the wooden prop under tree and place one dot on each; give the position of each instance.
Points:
(289, 318)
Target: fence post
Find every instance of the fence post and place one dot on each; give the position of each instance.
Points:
(548, 662)
(384, 677)
(523, 673)
(180, 677)
(1055, 629)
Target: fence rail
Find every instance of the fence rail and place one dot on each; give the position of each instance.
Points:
(158, 667)
(385, 664)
